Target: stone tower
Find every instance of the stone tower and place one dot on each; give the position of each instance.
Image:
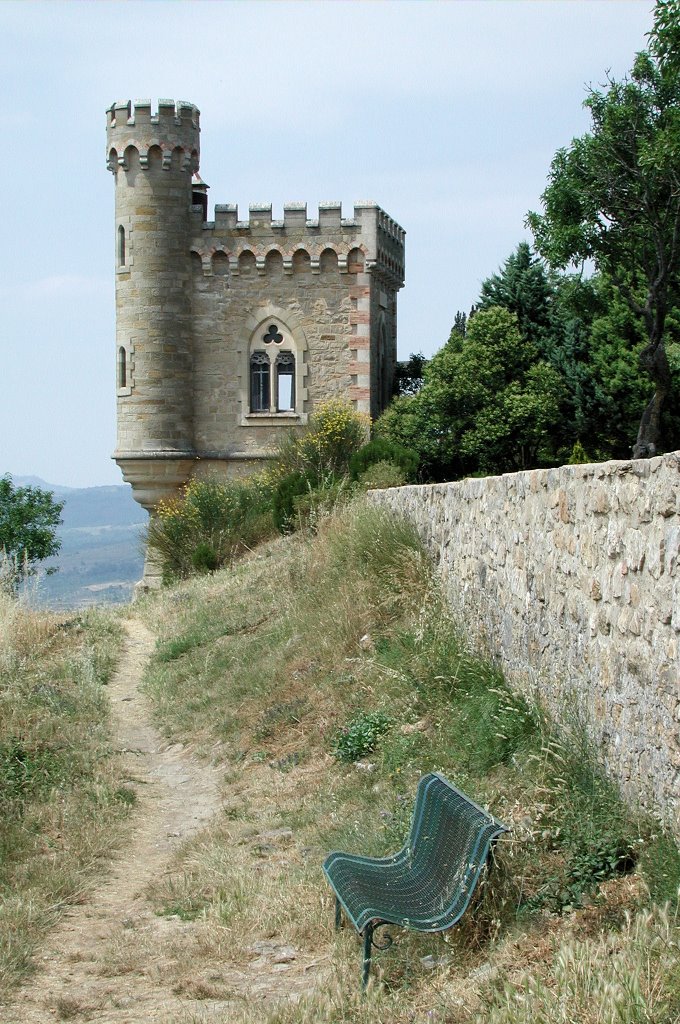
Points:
(153, 158)
(228, 330)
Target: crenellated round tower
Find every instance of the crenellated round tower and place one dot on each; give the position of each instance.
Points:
(153, 158)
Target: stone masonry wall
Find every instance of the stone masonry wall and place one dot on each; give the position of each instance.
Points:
(330, 283)
(570, 577)
(320, 305)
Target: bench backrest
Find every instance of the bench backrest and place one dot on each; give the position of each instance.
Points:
(449, 841)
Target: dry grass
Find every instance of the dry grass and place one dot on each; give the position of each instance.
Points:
(69, 1008)
(22, 632)
(261, 666)
(615, 977)
(57, 781)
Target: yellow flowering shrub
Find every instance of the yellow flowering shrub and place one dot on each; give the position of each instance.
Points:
(334, 433)
(209, 524)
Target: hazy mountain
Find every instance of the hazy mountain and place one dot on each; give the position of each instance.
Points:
(101, 555)
(37, 481)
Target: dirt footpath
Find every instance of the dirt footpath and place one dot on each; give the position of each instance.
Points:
(107, 959)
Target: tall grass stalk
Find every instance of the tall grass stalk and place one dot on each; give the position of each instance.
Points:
(626, 977)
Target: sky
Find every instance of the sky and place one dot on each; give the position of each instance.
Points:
(447, 114)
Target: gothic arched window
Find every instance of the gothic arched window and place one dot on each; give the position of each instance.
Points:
(259, 382)
(285, 382)
(275, 373)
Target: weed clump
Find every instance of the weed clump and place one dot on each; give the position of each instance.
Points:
(209, 525)
(360, 736)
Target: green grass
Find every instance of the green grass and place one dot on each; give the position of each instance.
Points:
(60, 798)
(348, 628)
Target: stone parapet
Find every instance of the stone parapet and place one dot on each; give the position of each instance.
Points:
(570, 577)
(174, 126)
(380, 239)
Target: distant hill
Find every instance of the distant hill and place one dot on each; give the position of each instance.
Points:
(101, 555)
(100, 506)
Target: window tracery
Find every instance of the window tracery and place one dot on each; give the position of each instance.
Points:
(272, 369)
(259, 382)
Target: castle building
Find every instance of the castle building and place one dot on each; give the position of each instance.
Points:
(229, 331)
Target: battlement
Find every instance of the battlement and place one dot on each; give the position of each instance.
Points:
(174, 126)
(170, 114)
(295, 219)
(389, 227)
(371, 230)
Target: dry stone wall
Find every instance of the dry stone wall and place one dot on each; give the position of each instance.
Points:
(570, 577)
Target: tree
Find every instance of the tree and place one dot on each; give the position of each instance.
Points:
(459, 324)
(614, 197)
(566, 343)
(487, 404)
(554, 313)
(523, 287)
(408, 421)
(497, 397)
(408, 379)
(29, 517)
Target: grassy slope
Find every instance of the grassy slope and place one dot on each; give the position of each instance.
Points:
(60, 798)
(264, 665)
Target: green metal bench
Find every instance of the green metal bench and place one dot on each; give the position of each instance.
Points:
(428, 884)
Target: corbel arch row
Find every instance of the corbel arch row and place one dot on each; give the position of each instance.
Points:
(154, 152)
(249, 258)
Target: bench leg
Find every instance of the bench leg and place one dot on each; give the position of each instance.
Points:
(366, 964)
(338, 913)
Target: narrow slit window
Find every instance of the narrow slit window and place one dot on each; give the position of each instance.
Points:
(121, 246)
(259, 382)
(285, 382)
(122, 367)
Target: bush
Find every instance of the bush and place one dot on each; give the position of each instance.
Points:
(381, 449)
(210, 524)
(318, 502)
(382, 475)
(300, 500)
(334, 434)
(310, 467)
(579, 456)
(204, 558)
(290, 487)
